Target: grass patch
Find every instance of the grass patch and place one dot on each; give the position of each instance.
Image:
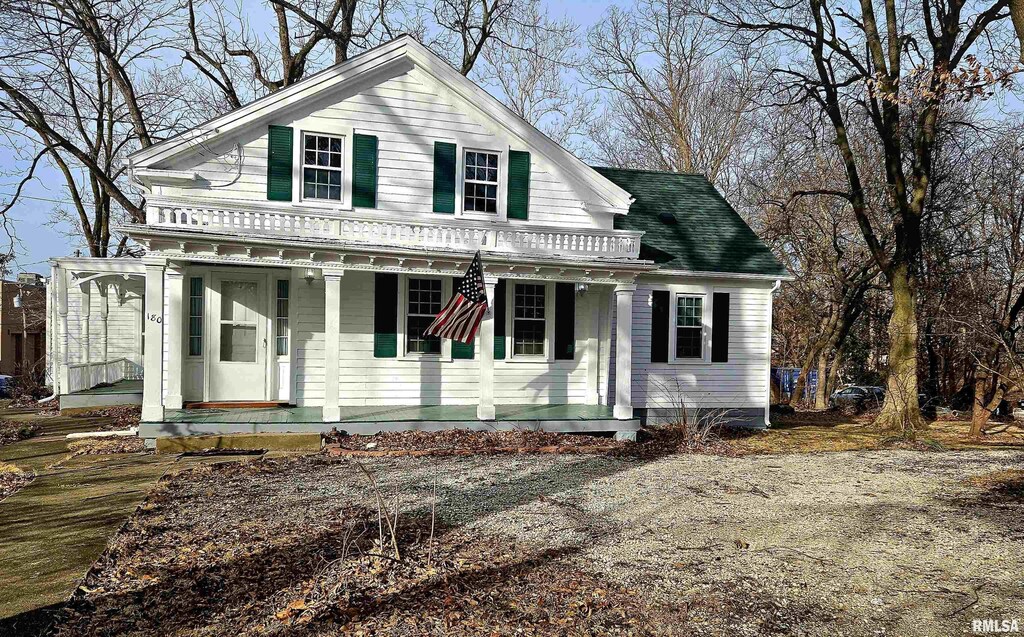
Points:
(1006, 485)
(830, 431)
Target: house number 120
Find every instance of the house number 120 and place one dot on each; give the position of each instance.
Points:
(154, 317)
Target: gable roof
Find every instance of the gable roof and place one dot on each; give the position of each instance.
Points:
(689, 226)
(403, 49)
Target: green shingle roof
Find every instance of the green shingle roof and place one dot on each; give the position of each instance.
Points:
(688, 225)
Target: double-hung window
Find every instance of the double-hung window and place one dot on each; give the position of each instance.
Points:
(528, 320)
(480, 187)
(689, 327)
(424, 304)
(322, 166)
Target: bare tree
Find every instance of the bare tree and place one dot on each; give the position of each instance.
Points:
(77, 93)
(882, 76)
(532, 67)
(681, 98)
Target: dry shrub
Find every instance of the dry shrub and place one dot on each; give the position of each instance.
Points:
(103, 446)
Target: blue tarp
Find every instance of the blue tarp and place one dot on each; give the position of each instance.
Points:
(785, 379)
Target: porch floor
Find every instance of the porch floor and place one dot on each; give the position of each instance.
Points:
(120, 387)
(368, 420)
(123, 392)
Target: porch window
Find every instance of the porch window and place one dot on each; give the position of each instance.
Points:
(689, 326)
(322, 161)
(195, 316)
(424, 304)
(480, 187)
(528, 320)
(281, 318)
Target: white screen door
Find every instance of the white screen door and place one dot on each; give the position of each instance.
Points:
(238, 357)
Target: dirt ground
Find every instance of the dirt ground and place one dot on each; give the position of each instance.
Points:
(850, 543)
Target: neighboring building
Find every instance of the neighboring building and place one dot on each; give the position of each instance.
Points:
(23, 325)
(298, 246)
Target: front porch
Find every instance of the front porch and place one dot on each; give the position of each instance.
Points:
(371, 420)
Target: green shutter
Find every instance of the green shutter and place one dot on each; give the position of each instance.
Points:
(518, 184)
(659, 326)
(499, 320)
(364, 171)
(385, 315)
(461, 350)
(720, 327)
(444, 177)
(565, 321)
(279, 163)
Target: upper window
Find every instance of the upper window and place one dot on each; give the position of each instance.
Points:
(689, 327)
(424, 304)
(322, 161)
(528, 325)
(480, 187)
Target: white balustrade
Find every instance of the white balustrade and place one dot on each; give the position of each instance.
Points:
(447, 234)
(84, 376)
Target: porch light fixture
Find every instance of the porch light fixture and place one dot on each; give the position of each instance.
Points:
(581, 288)
(309, 275)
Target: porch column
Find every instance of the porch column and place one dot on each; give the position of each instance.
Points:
(485, 408)
(84, 323)
(624, 351)
(175, 336)
(153, 355)
(332, 344)
(593, 300)
(62, 341)
(101, 288)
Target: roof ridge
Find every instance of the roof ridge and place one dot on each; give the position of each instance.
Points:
(650, 170)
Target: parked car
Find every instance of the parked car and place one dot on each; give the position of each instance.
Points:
(858, 396)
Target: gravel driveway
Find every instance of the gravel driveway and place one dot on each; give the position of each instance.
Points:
(847, 543)
(853, 543)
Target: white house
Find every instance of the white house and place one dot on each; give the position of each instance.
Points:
(297, 247)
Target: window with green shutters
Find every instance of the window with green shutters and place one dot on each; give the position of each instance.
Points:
(364, 171)
(444, 177)
(195, 316)
(279, 163)
(518, 184)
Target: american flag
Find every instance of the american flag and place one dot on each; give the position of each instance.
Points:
(460, 318)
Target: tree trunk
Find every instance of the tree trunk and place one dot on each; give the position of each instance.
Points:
(821, 395)
(801, 381)
(901, 411)
(986, 401)
(833, 373)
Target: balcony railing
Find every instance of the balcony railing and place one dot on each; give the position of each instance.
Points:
(447, 234)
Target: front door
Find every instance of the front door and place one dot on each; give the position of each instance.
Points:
(238, 360)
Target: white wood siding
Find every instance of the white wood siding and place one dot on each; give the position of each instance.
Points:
(123, 323)
(365, 380)
(408, 113)
(739, 383)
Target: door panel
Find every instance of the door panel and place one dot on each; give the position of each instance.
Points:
(238, 356)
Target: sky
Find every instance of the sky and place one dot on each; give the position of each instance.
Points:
(40, 239)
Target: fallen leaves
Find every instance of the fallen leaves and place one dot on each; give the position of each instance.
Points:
(12, 431)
